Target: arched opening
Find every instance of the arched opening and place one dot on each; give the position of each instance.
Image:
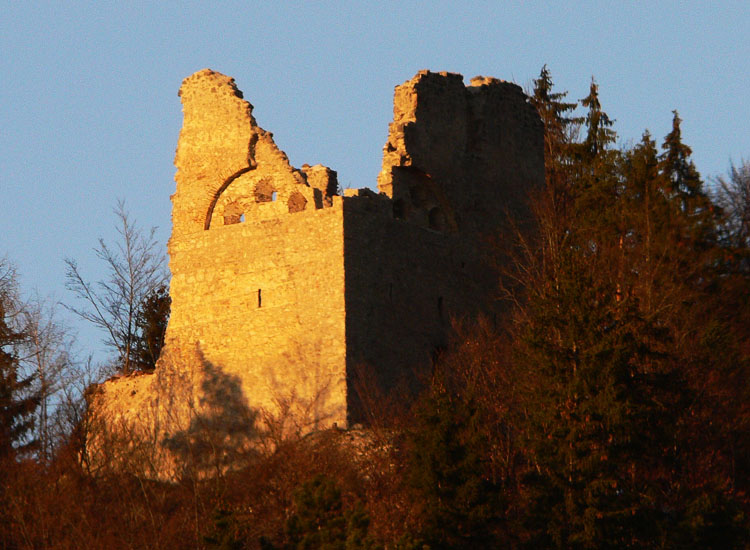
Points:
(218, 194)
(297, 202)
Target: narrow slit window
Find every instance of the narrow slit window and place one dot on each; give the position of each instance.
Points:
(260, 298)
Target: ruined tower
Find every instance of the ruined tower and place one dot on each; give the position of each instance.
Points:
(292, 291)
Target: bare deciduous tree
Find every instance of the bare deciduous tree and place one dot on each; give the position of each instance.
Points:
(732, 194)
(135, 268)
(46, 355)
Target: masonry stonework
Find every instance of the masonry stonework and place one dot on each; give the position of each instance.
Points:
(289, 292)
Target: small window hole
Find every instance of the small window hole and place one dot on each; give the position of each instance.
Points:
(264, 191)
(436, 219)
(297, 202)
(260, 300)
(233, 214)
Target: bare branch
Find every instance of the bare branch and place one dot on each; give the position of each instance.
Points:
(135, 268)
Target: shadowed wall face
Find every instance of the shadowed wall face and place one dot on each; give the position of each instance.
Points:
(458, 161)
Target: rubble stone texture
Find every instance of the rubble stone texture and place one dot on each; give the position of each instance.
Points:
(297, 298)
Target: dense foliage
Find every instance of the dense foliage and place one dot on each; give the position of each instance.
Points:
(609, 408)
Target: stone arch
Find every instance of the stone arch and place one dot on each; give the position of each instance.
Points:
(297, 202)
(217, 195)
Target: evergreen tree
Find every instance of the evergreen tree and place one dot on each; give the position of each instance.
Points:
(321, 523)
(17, 400)
(611, 333)
(224, 535)
(555, 115)
(600, 383)
(694, 219)
(599, 133)
(560, 128)
(448, 468)
(151, 327)
(645, 223)
(684, 181)
(596, 184)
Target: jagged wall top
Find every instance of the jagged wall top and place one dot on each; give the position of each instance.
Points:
(459, 157)
(227, 165)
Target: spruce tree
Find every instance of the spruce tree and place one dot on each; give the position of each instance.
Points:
(684, 181)
(462, 504)
(151, 326)
(599, 133)
(560, 128)
(598, 386)
(321, 522)
(596, 185)
(17, 400)
(613, 331)
(646, 215)
(555, 115)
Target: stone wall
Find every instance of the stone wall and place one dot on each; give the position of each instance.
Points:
(264, 300)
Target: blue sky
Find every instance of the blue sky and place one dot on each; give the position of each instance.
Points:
(89, 111)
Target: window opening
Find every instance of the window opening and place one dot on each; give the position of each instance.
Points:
(233, 214)
(437, 219)
(399, 209)
(297, 202)
(259, 298)
(265, 192)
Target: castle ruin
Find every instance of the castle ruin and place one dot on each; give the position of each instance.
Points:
(288, 289)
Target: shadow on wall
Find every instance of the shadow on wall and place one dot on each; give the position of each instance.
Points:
(190, 419)
(222, 431)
